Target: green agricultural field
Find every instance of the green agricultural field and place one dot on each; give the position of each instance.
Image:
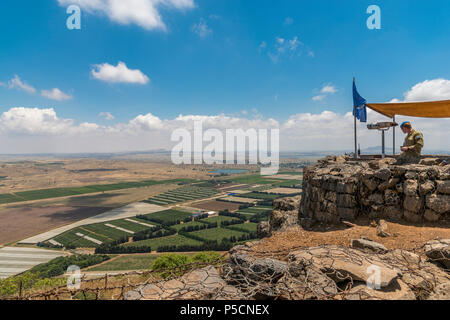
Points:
(245, 227)
(289, 183)
(254, 210)
(102, 229)
(72, 191)
(182, 194)
(135, 227)
(9, 198)
(292, 173)
(175, 240)
(70, 238)
(168, 216)
(253, 179)
(178, 227)
(127, 262)
(256, 195)
(218, 219)
(217, 234)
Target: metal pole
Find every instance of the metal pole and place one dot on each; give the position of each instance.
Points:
(356, 139)
(383, 150)
(393, 137)
(354, 120)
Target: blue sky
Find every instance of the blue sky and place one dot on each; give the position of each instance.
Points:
(228, 64)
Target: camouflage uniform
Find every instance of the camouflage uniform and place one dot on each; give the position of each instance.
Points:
(415, 140)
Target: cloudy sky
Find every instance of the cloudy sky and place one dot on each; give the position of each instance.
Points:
(139, 69)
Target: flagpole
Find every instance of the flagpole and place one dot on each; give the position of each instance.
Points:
(354, 124)
(356, 139)
(393, 137)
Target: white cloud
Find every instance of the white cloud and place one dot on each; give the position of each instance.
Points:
(428, 90)
(147, 122)
(202, 29)
(118, 74)
(56, 94)
(284, 47)
(33, 121)
(144, 13)
(106, 115)
(288, 21)
(319, 97)
(17, 83)
(329, 89)
(34, 130)
(326, 90)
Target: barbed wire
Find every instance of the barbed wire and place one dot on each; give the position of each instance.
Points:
(308, 273)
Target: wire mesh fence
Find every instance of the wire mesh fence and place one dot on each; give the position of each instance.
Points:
(319, 273)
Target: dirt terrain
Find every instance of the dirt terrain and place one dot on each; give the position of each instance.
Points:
(403, 236)
(28, 175)
(16, 224)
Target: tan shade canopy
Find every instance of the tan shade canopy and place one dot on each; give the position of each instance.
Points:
(433, 109)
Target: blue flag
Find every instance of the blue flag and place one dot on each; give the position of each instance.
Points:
(359, 105)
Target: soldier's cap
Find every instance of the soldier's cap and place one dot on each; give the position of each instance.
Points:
(405, 123)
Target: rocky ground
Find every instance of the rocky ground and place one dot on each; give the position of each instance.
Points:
(334, 243)
(343, 263)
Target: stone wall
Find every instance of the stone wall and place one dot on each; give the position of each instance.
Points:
(338, 188)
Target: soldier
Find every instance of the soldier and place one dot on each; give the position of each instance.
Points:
(413, 144)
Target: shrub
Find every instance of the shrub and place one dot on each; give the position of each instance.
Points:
(171, 261)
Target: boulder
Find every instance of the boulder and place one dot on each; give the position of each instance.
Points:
(426, 188)
(394, 213)
(200, 284)
(263, 230)
(431, 216)
(438, 203)
(280, 220)
(388, 184)
(368, 245)
(383, 174)
(411, 175)
(391, 198)
(397, 290)
(421, 276)
(346, 201)
(430, 161)
(438, 251)
(412, 216)
(443, 187)
(304, 282)
(382, 229)
(375, 198)
(441, 292)
(287, 204)
(132, 295)
(370, 182)
(344, 264)
(257, 269)
(413, 204)
(410, 187)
